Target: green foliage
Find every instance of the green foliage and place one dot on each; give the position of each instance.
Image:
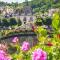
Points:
(47, 21)
(55, 21)
(37, 5)
(53, 52)
(38, 21)
(42, 31)
(44, 5)
(12, 21)
(12, 50)
(19, 22)
(5, 22)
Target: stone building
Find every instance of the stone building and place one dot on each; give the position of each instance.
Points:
(6, 11)
(27, 16)
(1, 9)
(51, 11)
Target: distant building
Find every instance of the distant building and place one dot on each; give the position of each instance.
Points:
(1, 9)
(27, 16)
(6, 11)
(51, 11)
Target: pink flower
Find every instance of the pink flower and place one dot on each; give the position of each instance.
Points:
(15, 39)
(3, 47)
(3, 55)
(25, 46)
(39, 54)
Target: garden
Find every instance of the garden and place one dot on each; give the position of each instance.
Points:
(47, 48)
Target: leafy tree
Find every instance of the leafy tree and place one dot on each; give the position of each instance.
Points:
(38, 22)
(5, 22)
(13, 21)
(47, 21)
(44, 5)
(19, 22)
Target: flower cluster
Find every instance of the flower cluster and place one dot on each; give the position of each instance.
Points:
(25, 46)
(3, 47)
(39, 54)
(15, 39)
(3, 55)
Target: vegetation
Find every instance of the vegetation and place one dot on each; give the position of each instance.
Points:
(13, 21)
(37, 5)
(39, 21)
(4, 22)
(56, 21)
(47, 30)
(19, 22)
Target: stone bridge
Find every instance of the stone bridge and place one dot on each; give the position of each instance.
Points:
(31, 37)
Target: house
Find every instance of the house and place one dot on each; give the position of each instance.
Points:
(51, 11)
(27, 16)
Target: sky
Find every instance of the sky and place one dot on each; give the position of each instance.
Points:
(9, 1)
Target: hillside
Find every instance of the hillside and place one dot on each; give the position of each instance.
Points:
(37, 5)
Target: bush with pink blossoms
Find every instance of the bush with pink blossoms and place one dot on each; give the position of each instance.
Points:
(39, 54)
(25, 46)
(15, 39)
(4, 47)
(4, 56)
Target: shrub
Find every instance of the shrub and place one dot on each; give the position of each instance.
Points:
(5, 22)
(13, 21)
